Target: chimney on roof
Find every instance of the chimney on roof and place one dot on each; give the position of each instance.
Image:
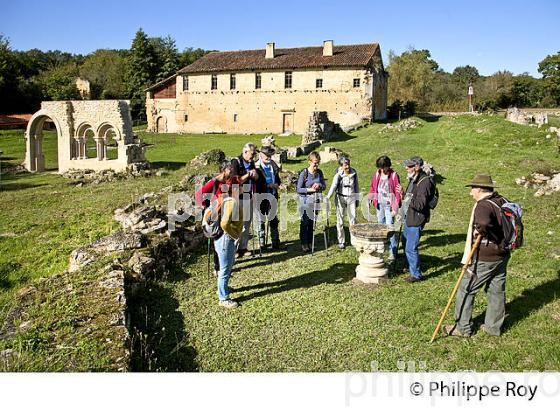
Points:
(269, 50)
(327, 48)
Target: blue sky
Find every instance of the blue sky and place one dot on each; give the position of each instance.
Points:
(491, 35)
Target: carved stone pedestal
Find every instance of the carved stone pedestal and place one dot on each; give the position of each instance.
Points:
(369, 240)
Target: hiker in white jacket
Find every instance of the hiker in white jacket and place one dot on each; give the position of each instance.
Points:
(345, 185)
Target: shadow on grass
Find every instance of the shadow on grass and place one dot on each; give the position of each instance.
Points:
(18, 187)
(159, 341)
(337, 273)
(341, 137)
(5, 281)
(440, 240)
(172, 166)
(249, 262)
(531, 300)
(428, 117)
(431, 266)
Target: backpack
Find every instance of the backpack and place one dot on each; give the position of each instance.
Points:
(305, 171)
(211, 217)
(434, 198)
(512, 224)
(211, 220)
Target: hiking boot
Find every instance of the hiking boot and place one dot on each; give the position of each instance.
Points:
(242, 252)
(412, 279)
(451, 330)
(228, 303)
(485, 330)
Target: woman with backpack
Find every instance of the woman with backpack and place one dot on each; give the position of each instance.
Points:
(385, 196)
(345, 184)
(213, 189)
(230, 215)
(310, 184)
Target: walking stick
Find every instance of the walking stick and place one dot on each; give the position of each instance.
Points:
(314, 223)
(208, 266)
(266, 231)
(465, 266)
(326, 231)
(398, 239)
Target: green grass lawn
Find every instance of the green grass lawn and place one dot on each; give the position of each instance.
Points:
(302, 312)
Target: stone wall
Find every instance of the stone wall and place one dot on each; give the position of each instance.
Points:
(75, 122)
(526, 118)
(272, 109)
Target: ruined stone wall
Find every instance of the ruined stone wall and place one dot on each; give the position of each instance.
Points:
(71, 118)
(250, 110)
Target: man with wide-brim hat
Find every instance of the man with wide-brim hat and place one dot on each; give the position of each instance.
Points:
(267, 197)
(489, 263)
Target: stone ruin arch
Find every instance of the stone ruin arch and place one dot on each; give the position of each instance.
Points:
(74, 121)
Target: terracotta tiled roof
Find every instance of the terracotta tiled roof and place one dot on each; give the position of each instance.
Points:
(356, 55)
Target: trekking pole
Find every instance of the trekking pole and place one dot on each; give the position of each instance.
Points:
(266, 231)
(325, 237)
(208, 265)
(327, 227)
(398, 239)
(465, 266)
(314, 223)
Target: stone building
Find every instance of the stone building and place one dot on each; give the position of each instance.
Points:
(271, 90)
(95, 135)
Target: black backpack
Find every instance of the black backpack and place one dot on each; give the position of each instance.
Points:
(434, 197)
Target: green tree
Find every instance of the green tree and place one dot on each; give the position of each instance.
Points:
(59, 83)
(167, 55)
(142, 72)
(464, 75)
(411, 76)
(527, 91)
(8, 78)
(106, 72)
(190, 55)
(550, 70)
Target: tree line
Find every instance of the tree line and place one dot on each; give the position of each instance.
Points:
(29, 77)
(416, 82)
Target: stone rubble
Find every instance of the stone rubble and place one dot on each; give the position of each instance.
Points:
(404, 125)
(80, 177)
(544, 184)
(212, 157)
(320, 128)
(526, 118)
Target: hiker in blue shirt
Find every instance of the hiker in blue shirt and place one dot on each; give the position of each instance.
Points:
(310, 184)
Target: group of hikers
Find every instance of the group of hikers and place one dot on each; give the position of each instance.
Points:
(231, 193)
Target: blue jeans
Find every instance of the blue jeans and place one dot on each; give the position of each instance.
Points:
(384, 217)
(411, 239)
(225, 248)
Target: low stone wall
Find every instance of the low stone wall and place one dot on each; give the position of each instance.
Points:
(103, 279)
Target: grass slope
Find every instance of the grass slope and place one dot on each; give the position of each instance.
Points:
(302, 312)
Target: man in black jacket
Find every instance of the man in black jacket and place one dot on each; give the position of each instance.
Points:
(416, 213)
(243, 165)
(268, 183)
